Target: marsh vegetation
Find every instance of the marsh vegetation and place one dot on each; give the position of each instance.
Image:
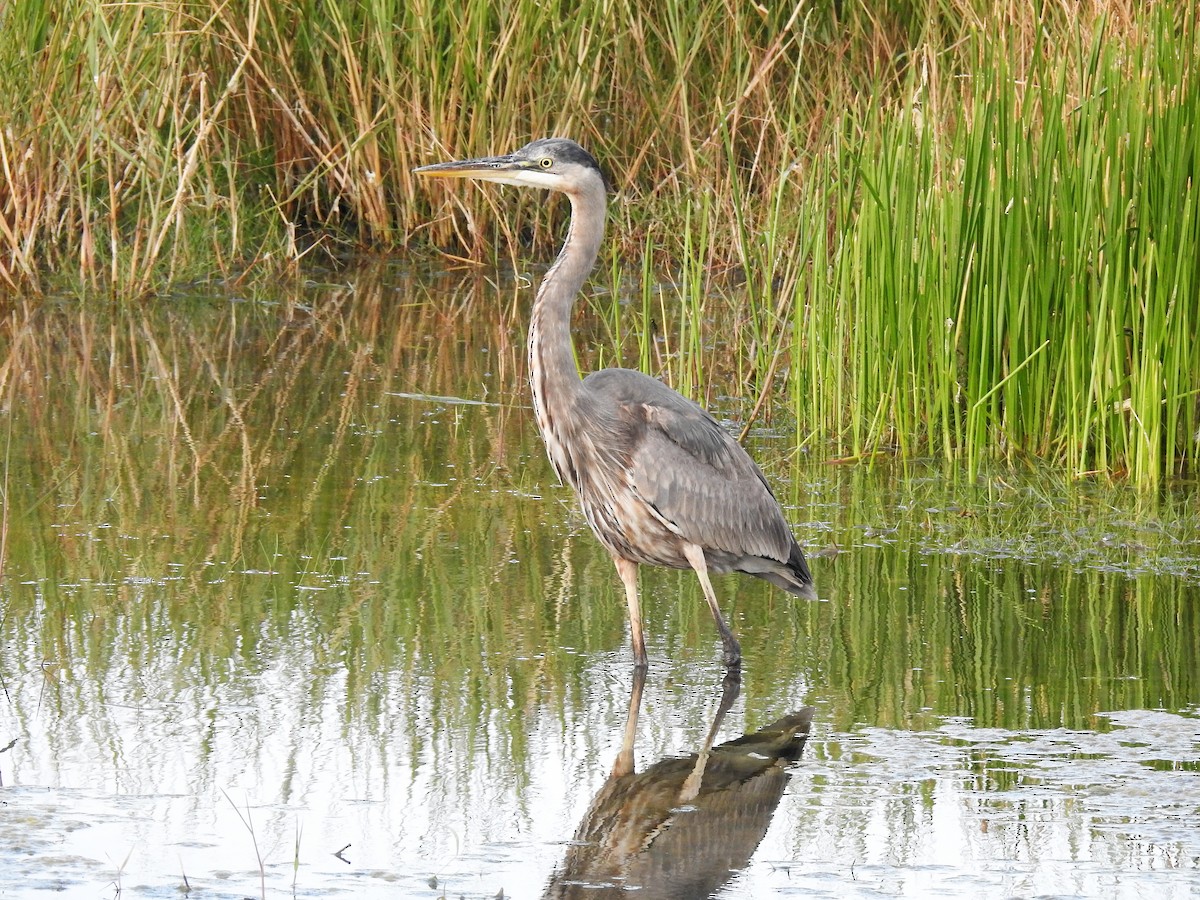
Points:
(963, 230)
(283, 567)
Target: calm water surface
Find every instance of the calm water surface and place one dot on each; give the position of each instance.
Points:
(292, 604)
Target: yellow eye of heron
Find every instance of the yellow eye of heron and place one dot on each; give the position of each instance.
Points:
(545, 162)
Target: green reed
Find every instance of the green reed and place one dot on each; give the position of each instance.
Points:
(1017, 274)
(958, 230)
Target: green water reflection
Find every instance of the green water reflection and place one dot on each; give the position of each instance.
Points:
(308, 556)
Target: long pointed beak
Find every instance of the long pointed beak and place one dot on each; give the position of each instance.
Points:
(486, 167)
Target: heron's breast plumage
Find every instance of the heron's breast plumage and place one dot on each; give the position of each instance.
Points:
(590, 452)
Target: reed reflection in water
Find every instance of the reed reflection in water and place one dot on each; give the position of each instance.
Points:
(261, 551)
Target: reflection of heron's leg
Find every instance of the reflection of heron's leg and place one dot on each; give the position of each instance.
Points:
(629, 574)
(695, 558)
(624, 763)
(731, 686)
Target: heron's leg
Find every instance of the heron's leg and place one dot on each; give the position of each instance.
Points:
(628, 571)
(624, 763)
(695, 557)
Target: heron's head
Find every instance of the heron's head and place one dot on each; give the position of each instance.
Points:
(555, 164)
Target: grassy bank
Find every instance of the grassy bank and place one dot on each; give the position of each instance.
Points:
(944, 229)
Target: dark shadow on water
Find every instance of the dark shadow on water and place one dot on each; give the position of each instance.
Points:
(684, 826)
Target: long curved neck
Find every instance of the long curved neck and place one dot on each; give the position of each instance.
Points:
(553, 375)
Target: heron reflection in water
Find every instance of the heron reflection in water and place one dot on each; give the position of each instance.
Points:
(683, 827)
(660, 482)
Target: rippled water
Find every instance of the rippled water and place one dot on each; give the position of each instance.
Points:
(292, 604)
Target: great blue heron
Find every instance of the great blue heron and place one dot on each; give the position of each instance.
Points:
(660, 481)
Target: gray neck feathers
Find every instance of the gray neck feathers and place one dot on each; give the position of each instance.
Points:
(553, 374)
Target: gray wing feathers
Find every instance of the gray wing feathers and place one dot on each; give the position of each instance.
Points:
(692, 471)
(702, 480)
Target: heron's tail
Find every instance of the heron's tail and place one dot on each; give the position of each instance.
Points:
(793, 576)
